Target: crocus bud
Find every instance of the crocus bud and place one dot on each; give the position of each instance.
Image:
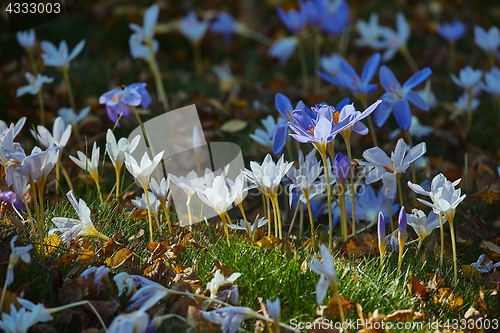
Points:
(342, 166)
(381, 235)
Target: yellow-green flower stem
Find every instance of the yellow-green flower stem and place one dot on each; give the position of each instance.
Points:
(224, 216)
(30, 217)
(309, 211)
(381, 249)
(401, 242)
(330, 148)
(452, 56)
(240, 206)
(322, 152)
(150, 215)
(117, 189)
(267, 212)
(64, 307)
(31, 58)
(95, 177)
(166, 212)
(3, 291)
(335, 288)
(65, 174)
(153, 65)
(40, 184)
(343, 214)
(317, 55)
(275, 218)
(255, 35)
(42, 109)
(441, 230)
(68, 86)
(454, 248)
(303, 65)
(393, 227)
(293, 217)
(413, 169)
(197, 57)
(347, 140)
(35, 204)
(400, 192)
(278, 216)
(409, 59)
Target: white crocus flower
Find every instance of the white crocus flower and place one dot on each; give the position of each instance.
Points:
(304, 177)
(218, 280)
(380, 166)
(142, 172)
(250, 228)
(484, 268)
(26, 39)
(230, 318)
(70, 117)
(140, 202)
(116, 150)
(17, 252)
(423, 225)
(161, 189)
(58, 57)
(268, 176)
(192, 28)
(35, 84)
(147, 31)
(17, 127)
(446, 201)
(326, 269)
(437, 183)
(274, 309)
(124, 282)
(218, 196)
(100, 273)
(89, 165)
(133, 322)
(71, 228)
(59, 136)
(19, 321)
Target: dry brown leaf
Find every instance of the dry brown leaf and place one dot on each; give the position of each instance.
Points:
(332, 309)
(446, 296)
(435, 281)
(405, 315)
(120, 257)
(362, 245)
(491, 249)
(417, 288)
(9, 298)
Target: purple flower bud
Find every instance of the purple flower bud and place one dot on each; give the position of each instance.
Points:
(381, 228)
(402, 223)
(342, 167)
(8, 197)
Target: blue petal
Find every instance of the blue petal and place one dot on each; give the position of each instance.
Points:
(415, 99)
(370, 68)
(280, 136)
(342, 103)
(381, 113)
(369, 88)
(387, 78)
(347, 68)
(402, 113)
(416, 78)
(283, 105)
(330, 79)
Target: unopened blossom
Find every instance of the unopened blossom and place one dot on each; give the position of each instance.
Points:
(26, 39)
(381, 234)
(59, 57)
(35, 84)
(492, 82)
(326, 269)
(224, 24)
(59, 136)
(380, 166)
